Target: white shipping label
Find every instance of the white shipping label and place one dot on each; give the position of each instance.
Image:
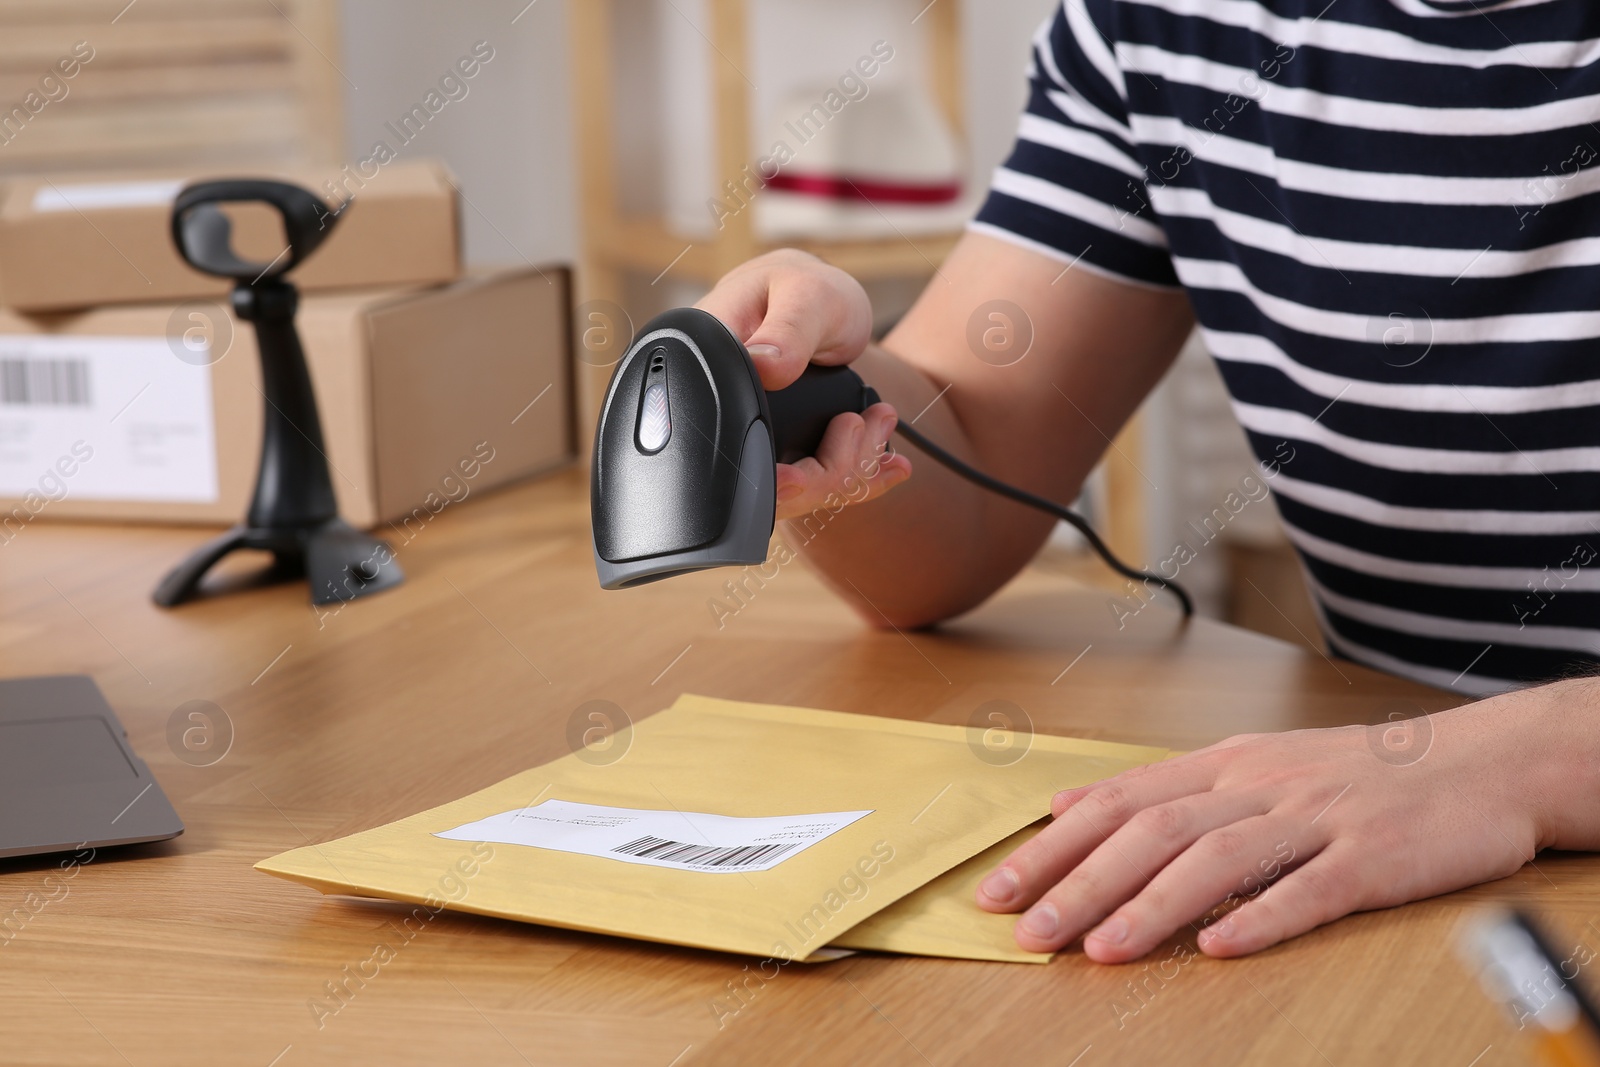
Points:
(682, 840)
(87, 196)
(105, 418)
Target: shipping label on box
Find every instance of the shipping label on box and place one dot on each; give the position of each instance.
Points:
(105, 418)
(94, 196)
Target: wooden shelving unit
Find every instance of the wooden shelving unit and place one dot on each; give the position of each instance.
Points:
(616, 245)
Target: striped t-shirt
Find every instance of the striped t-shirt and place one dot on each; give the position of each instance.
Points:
(1387, 216)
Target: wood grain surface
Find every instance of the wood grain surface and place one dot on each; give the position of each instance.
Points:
(182, 954)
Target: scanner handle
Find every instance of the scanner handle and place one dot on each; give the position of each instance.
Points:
(204, 235)
(801, 413)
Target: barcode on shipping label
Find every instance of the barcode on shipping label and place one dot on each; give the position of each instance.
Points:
(133, 418)
(703, 855)
(690, 841)
(50, 382)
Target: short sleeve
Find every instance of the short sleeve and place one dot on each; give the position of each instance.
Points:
(1072, 186)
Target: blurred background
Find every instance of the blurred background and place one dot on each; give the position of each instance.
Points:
(626, 138)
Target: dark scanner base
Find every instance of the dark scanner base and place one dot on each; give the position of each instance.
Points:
(339, 562)
(293, 513)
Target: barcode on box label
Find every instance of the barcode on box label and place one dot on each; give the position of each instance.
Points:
(726, 858)
(46, 382)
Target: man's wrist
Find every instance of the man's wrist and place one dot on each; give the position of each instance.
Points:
(1556, 731)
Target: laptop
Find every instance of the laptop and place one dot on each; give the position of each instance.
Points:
(68, 779)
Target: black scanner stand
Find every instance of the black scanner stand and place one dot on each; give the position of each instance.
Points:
(293, 513)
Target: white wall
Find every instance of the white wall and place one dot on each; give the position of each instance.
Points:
(998, 35)
(509, 140)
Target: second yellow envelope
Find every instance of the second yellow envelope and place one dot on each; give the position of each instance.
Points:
(943, 918)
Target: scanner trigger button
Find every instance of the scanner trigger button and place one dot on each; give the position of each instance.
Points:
(655, 418)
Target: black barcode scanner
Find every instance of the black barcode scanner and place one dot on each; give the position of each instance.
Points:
(685, 452)
(293, 513)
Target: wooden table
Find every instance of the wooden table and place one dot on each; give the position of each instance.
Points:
(181, 954)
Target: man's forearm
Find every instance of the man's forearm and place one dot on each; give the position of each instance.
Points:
(933, 547)
(1088, 350)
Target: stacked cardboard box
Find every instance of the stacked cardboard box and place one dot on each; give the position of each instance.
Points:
(129, 391)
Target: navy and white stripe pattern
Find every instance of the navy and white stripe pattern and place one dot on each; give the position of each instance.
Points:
(1385, 213)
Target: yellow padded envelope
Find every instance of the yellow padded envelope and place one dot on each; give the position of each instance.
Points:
(746, 828)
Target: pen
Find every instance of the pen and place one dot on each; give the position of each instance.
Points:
(1517, 968)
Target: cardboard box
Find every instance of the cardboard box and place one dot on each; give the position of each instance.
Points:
(154, 412)
(79, 242)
